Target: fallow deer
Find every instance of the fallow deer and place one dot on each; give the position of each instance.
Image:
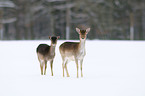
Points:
(47, 53)
(74, 51)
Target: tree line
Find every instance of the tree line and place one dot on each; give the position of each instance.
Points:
(38, 19)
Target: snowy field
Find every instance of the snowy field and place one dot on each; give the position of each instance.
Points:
(111, 68)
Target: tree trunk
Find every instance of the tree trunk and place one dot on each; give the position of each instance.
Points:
(31, 31)
(68, 23)
(1, 25)
(143, 21)
(6, 28)
(131, 26)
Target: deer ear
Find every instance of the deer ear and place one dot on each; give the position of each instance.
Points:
(87, 30)
(58, 37)
(78, 30)
(49, 37)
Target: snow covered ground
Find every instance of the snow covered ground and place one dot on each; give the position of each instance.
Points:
(111, 68)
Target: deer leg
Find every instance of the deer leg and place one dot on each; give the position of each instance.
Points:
(51, 65)
(77, 67)
(81, 62)
(66, 68)
(45, 67)
(63, 67)
(41, 66)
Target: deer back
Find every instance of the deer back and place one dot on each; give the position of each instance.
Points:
(69, 48)
(43, 49)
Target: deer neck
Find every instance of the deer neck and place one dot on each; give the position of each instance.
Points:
(52, 49)
(82, 44)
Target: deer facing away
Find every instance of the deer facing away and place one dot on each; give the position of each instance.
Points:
(46, 53)
(74, 51)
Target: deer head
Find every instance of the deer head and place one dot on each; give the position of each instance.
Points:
(54, 40)
(83, 33)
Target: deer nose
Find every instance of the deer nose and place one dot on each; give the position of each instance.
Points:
(53, 44)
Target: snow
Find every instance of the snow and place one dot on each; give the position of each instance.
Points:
(111, 68)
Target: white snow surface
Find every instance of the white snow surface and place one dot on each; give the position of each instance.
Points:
(111, 68)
